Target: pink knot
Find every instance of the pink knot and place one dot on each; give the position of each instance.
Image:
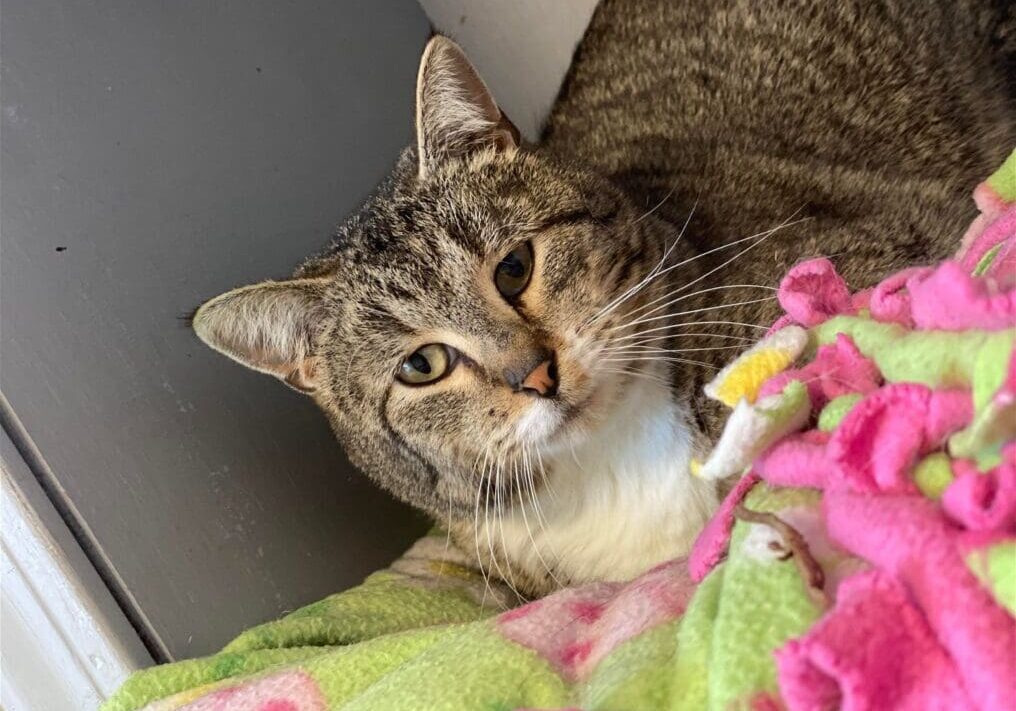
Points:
(782, 321)
(890, 301)
(796, 460)
(984, 501)
(861, 300)
(711, 545)
(881, 438)
(812, 291)
(995, 228)
(950, 299)
(853, 658)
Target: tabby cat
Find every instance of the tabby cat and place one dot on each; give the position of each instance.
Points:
(514, 338)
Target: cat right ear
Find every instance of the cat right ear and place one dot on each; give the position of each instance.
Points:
(269, 327)
(455, 112)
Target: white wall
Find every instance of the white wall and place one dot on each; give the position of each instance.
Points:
(522, 48)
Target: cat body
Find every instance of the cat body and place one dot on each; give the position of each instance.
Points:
(873, 120)
(515, 338)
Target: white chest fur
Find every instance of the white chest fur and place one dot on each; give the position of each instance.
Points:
(621, 502)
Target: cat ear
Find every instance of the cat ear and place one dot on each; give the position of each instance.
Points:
(268, 327)
(455, 112)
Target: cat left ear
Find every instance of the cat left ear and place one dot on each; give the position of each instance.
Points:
(269, 327)
(455, 111)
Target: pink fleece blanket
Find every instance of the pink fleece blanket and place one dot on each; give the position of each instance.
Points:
(907, 423)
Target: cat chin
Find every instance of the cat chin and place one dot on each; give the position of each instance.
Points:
(540, 422)
(619, 497)
(560, 425)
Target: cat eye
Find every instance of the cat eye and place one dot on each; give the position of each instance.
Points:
(511, 276)
(427, 364)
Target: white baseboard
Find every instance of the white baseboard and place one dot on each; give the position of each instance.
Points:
(64, 643)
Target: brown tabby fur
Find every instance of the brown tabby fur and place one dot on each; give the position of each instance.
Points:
(872, 119)
(876, 118)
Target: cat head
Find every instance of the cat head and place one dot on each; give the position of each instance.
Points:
(459, 321)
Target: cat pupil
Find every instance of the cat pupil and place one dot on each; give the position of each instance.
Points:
(512, 266)
(420, 363)
(512, 273)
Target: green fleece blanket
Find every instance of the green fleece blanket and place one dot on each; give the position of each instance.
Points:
(426, 634)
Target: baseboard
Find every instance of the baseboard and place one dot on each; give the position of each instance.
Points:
(64, 642)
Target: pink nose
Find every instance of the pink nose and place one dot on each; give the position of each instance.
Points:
(542, 379)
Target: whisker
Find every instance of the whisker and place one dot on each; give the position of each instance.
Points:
(536, 548)
(761, 237)
(499, 515)
(718, 307)
(637, 349)
(691, 323)
(476, 533)
(691, 334)
(653, 273)
(448, 532)
(663, 359)
(658, 205)
(635, 373)
(543, 476)
(786, 223)
(532, 488)
(487, 528)
(693, 295)
(575, 458)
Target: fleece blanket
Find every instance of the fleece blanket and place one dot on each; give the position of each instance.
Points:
(865, 560)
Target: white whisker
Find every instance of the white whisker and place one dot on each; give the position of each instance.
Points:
(543, 475)
(645, 350)
(636, 373)
(658, 205)
(499, 515)
(766, 235)
(487, 527)
(686, 334)
(448, 532)
(650, 319)
(761, 237)
(476, 533)
(690, 323)
(663, 359)
(693, 295)
(653, 273)
(536, 548)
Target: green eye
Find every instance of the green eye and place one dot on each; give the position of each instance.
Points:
(511, 276)
(426, 365)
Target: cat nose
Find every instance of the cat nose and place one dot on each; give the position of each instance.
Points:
(541, 380)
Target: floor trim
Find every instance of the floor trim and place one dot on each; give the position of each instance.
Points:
(65, 643)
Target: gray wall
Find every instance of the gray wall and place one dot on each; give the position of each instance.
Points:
(155, 154)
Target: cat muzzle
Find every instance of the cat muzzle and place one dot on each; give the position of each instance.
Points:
(541, 380)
